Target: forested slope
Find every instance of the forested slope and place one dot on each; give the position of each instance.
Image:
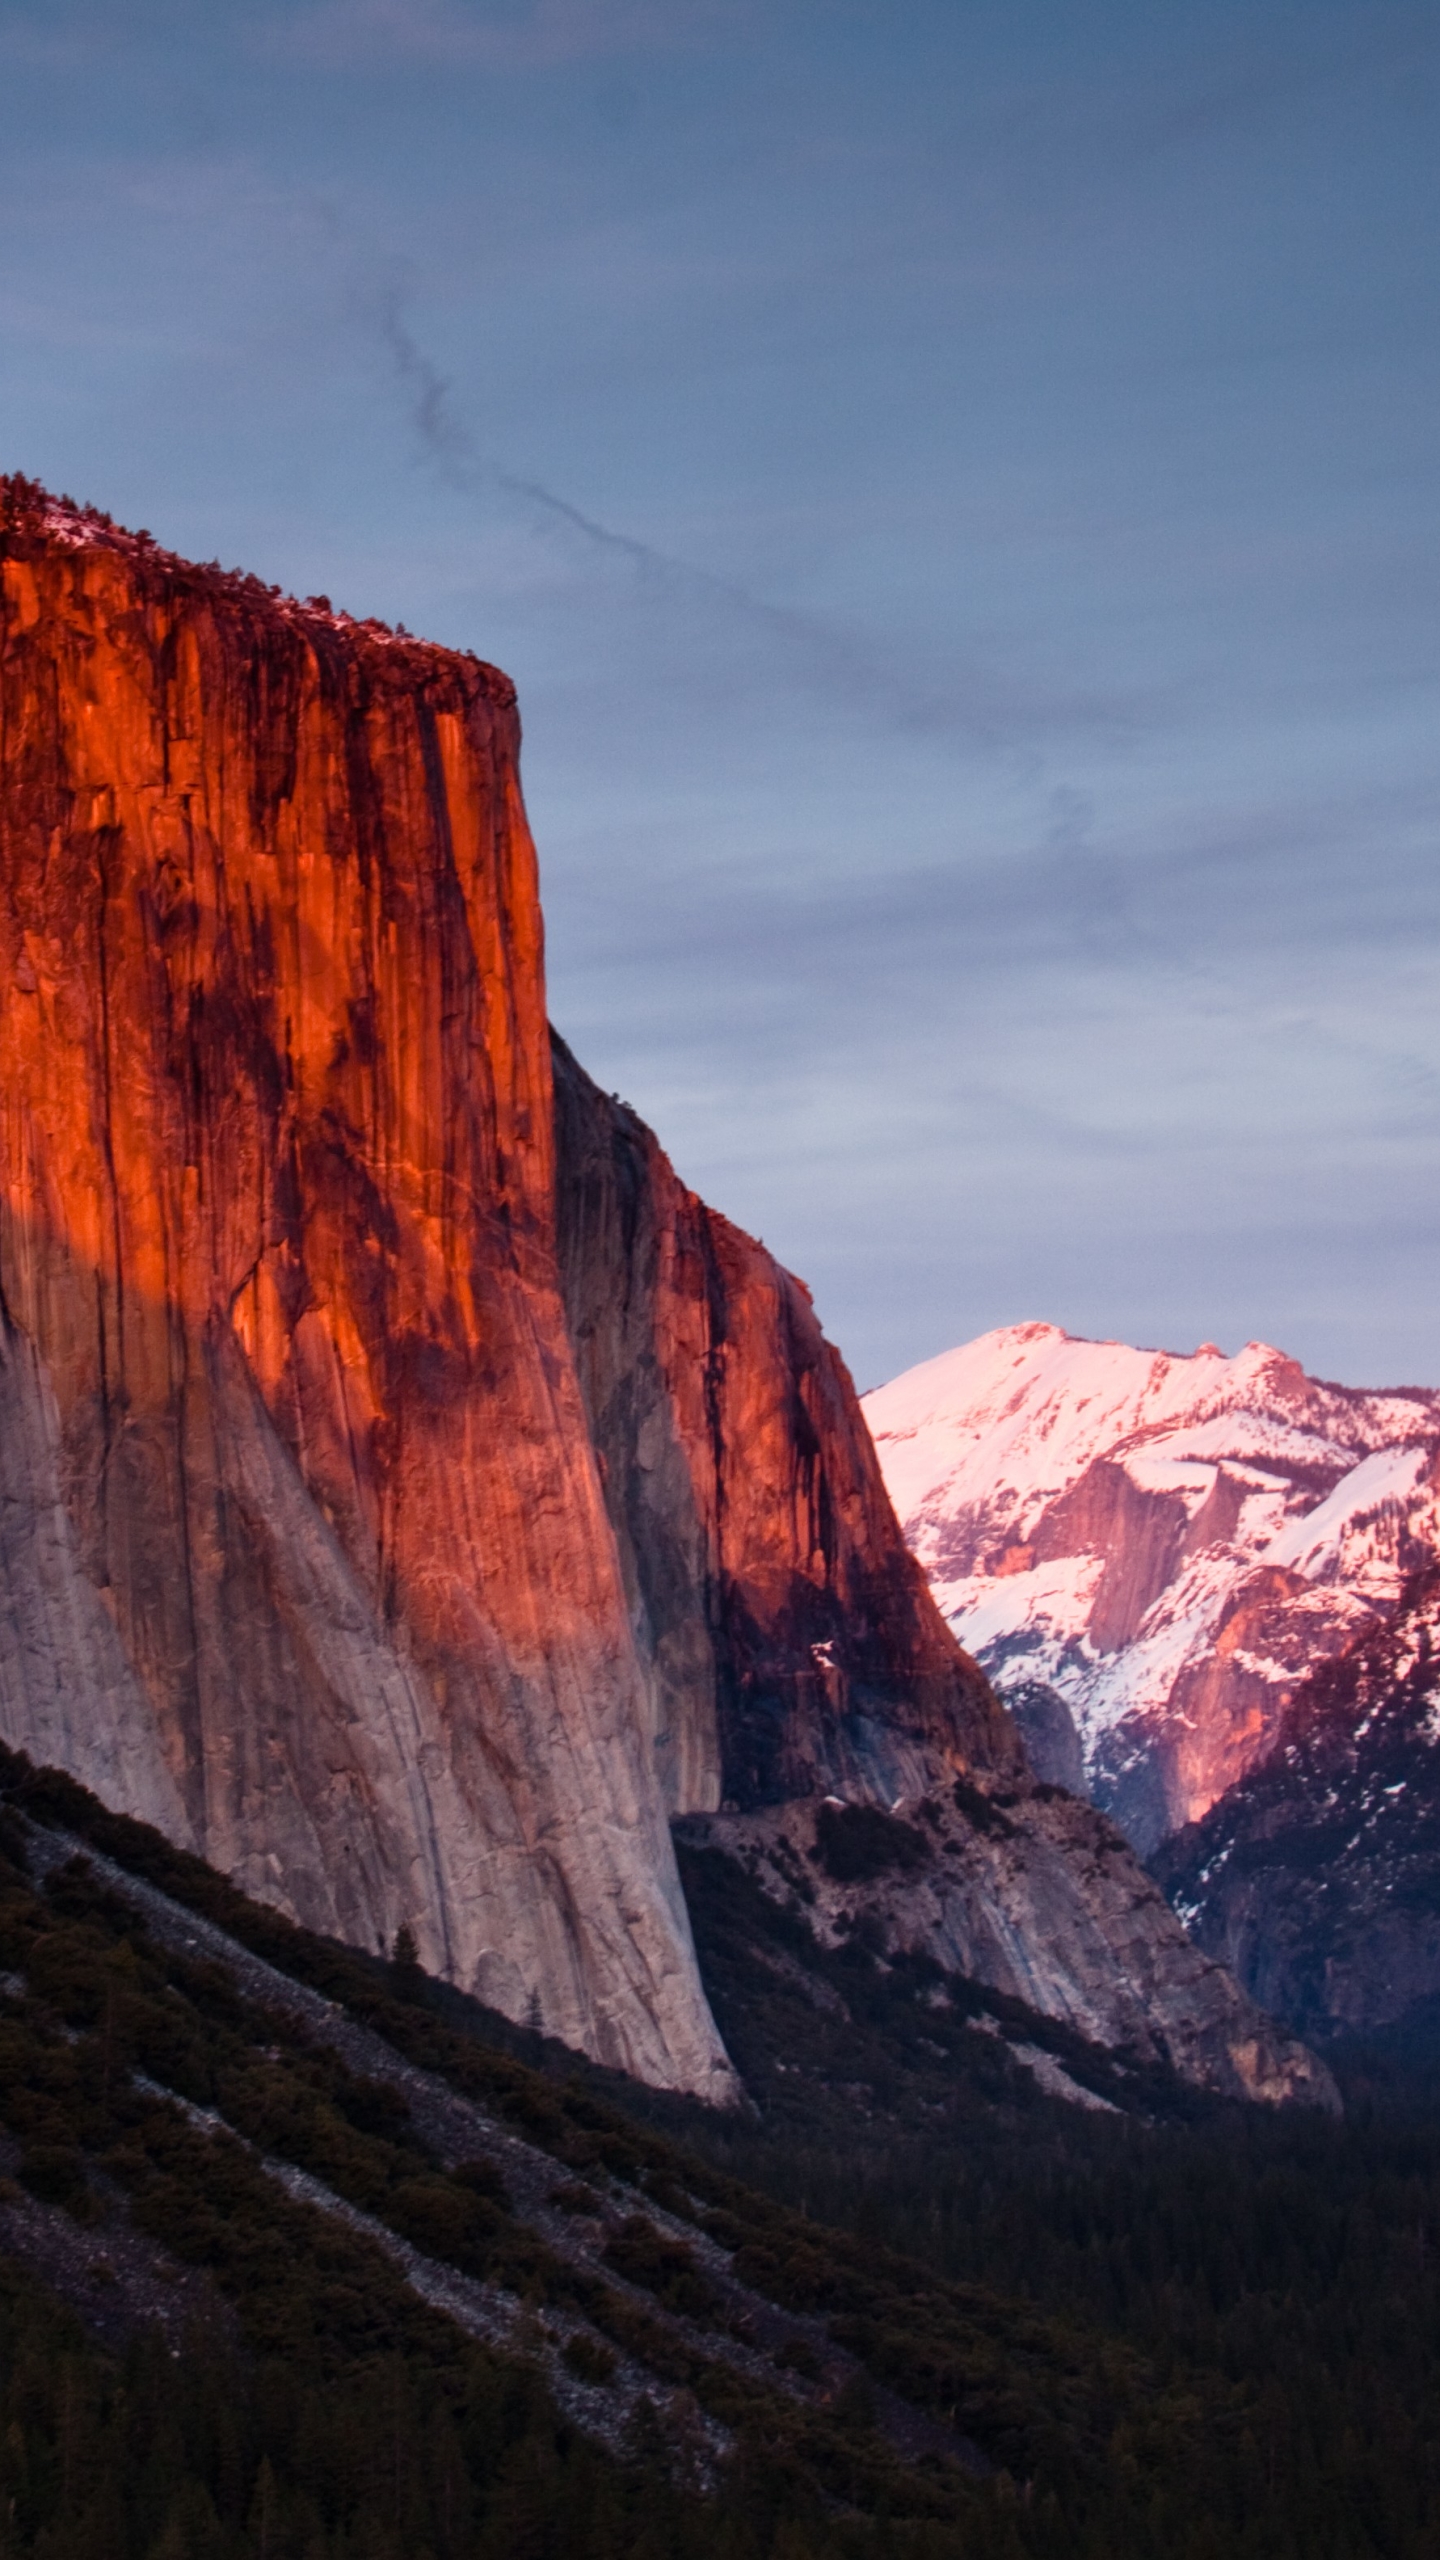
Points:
(311, 2257)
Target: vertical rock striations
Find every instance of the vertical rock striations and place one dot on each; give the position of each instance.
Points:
(312, 1562)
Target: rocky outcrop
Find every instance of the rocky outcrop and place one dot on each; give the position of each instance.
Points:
(306, 1555)
(1049, 1733)
(789, 1640)
(1169, 1543)
(1036, 1896)
(1317, 1877)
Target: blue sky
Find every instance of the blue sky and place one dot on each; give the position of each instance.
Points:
(957, 489)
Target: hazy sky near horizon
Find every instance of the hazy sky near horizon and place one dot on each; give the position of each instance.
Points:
(957, 485)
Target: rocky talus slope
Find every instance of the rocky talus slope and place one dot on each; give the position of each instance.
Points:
(1150, 1552)
(1317, 1877)
(1034, 1896)
(412, 1495)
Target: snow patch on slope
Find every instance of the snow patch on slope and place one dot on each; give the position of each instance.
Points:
(1321, 1543)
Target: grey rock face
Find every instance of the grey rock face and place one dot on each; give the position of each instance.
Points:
(1034, 1895)
(68, 1695)
(1049, 1733)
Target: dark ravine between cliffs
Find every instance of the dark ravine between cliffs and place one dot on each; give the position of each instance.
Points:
(413, 1496)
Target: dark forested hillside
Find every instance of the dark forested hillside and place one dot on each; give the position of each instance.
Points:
(306, 2257)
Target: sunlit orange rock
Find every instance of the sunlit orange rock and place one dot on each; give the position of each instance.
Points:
(322, 1577)
(308, 1551)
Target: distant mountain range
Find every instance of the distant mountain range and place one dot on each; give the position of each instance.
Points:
(1150, 1552)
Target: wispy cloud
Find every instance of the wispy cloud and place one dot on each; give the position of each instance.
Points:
(973, 701)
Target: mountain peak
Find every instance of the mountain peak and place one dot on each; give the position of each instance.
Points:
(1166, 1541)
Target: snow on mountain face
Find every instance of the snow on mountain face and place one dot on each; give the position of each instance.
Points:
(1167, 1542)
(1317, 1877)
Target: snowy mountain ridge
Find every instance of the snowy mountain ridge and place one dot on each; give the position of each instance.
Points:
(1168, 1542)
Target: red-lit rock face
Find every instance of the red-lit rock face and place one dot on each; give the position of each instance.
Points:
(793, 1651)
(276, 1182)
(790, 1640)
(1317, 1876)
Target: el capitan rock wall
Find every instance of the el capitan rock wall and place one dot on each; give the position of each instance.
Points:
(329, 1586)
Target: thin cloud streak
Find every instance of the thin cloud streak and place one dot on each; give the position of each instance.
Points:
(1220, 878)
(979, 709)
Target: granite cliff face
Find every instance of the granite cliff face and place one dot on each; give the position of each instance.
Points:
(306, 1552)
(789, 1641)
(1029, 1893)
(1151, 1552)
(412, 1496)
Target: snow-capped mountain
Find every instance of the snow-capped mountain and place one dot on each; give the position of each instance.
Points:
(1163, 1544)
(1317, 1878)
